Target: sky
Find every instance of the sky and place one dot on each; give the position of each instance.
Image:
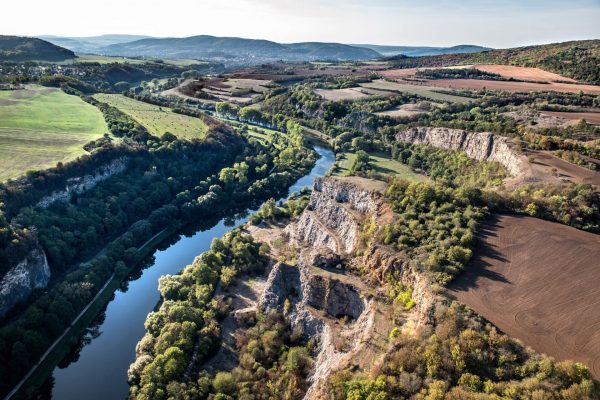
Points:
(496, 24)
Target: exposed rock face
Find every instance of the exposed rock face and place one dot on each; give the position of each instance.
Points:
(380, 262)
(308, 293)
(332, 218)
(483, 146)
(16, 286)
(82, 184)
(328, 232)
(302, 288)
(359, 120)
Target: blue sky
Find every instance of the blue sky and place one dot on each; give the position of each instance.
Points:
(402, 22)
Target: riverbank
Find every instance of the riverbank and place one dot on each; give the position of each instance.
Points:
(99, 369)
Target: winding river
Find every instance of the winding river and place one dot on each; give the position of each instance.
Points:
(100, 370)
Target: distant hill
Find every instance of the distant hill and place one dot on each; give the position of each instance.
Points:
(17, 48)
(90, 44)
(419, 51)
(579, 60)
(231, 48)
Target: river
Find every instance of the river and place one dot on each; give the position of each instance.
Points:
(100, 370)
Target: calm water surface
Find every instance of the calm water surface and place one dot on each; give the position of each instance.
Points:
(100, 371)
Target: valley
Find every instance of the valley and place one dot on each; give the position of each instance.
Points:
(225, 218)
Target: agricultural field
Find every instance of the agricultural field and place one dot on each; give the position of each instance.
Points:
(341, 94)
(590, 117)
(428, 92)
(523, 73)
(509, 86)
(158, 120)
(537, 281)
(403, 111)
(381, 164)
(235, 90)
(42, 126)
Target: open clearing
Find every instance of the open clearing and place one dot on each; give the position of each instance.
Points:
(403, 111)
(382, 164)
(423, 91)
(538, 281)
(341, 94)
(157, 120)
(41, 126)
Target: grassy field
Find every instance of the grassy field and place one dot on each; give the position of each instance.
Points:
(41, 126)
(157, 120)
(382, 164)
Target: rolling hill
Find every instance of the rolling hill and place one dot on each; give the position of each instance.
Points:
(90, 44)
(231, 48)
(579, 60)
(419, 51)
(17, 48)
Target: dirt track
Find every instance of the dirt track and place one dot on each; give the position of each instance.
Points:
(538, 281)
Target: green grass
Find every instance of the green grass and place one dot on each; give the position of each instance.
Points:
(382, 164)
(157, 120)
(41, 126)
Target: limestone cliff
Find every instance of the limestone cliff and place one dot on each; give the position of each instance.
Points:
(16, 286)
(333, 215)
(482, 146)
(82, 184)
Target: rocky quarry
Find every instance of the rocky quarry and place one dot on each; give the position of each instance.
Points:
(348, 315)
(482, 146)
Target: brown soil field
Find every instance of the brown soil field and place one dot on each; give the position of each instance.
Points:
(523, 73)
(477, 84)
(590, 117)
(544, 162)
(341, 94)
(538, 281)
(405, 110)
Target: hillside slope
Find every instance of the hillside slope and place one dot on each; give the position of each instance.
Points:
(90, 44)
(17, 48)
(579, 60)
(419, 51)
(211, 47)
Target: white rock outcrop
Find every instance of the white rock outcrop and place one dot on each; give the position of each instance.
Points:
(482, 146)
(332, 215)
(16, 286)
(84, 183)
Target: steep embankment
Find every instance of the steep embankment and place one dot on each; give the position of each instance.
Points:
(16, 286)
(482, 146)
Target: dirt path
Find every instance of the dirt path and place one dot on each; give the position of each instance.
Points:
(538, 281)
